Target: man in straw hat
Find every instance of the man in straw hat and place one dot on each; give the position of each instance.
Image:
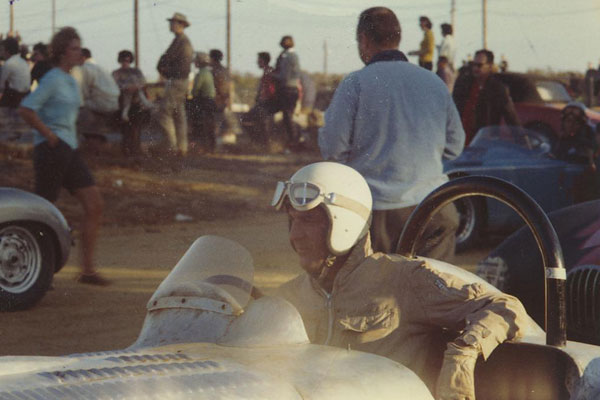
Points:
(175, 66)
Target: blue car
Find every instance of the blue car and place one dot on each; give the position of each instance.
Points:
(522, 157)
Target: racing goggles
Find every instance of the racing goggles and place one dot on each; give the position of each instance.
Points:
(305, 196)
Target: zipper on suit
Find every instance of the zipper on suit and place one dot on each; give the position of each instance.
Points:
(329, 305)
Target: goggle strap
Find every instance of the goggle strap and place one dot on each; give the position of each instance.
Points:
(350, 204)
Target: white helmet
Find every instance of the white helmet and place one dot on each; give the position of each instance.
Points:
(342, 191)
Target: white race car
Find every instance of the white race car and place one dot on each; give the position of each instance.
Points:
(209, 334)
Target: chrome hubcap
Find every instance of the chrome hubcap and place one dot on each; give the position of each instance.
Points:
(20, 259)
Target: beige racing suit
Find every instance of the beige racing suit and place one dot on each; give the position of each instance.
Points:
(406, 310)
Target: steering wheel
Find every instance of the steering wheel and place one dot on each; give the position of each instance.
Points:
(543, 232)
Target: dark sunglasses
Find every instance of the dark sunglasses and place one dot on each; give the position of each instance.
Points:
(478, 65)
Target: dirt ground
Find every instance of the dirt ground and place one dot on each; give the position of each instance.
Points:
(152, 216)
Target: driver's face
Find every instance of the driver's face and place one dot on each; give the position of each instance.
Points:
(308, 237)
(571, 121)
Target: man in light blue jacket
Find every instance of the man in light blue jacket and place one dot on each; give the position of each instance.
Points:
(394, 123)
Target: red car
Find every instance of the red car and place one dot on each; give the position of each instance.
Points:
(539, 101)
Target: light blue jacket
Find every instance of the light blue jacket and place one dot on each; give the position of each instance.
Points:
(393, 122)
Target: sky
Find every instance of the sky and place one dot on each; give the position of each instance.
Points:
(544, 34)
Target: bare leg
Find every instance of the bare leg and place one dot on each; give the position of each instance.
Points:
(93, 204)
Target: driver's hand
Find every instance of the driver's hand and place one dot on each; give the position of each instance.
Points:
(457, 380)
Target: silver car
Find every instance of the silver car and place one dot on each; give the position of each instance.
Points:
(35, 241)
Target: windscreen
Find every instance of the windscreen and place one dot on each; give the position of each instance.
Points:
(214, 260)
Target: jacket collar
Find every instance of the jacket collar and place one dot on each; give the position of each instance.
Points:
(358, 254)
(388, 55)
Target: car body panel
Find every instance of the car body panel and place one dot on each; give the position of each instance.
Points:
(19, 205)
(515, 267)
(539, 100)
(522, 157)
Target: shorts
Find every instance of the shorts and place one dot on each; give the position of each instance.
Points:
(58, 167)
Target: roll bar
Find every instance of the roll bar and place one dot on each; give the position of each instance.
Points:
(534, 216)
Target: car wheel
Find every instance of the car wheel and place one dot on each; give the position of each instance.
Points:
(27, 260)
(471, 220)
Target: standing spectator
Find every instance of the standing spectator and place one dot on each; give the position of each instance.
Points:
(175, 66)
(131, 82)
(51, 110)
(203, 104)
(42, 64)
(445, 72)
(481, 98)
(260, 116)
(447, 47)
(287, 74)
(100, 95)
(394, 123)
(427, 46)
(222, 87)
(15, 79)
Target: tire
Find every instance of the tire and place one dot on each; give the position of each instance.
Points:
(27, 262)
(471, 222)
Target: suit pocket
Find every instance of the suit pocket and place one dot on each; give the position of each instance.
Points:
(373, 321)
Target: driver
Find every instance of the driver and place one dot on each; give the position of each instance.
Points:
(576, 142)
(381, 303)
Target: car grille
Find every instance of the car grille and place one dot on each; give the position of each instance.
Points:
(583, 304)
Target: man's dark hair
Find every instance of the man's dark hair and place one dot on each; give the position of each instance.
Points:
(216, 55)
(426, 21)
(446, 29)
(442, 59)
(60, 42)
(265, 56)
(380, 25)
(125, 54)
(489, 55)
(11, 46)
(41, 48)
(86, 52)
(287, 41)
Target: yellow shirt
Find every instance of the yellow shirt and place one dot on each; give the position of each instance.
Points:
(427, 47)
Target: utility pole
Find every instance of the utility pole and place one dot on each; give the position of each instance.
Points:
(136, 48)
(229, 36)
(11, 29)
(229, 52)
(484, 23)
(325, 57)
(453, 17)
(53, 16)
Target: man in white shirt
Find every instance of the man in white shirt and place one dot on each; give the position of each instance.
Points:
(15, 78)
(100, 95)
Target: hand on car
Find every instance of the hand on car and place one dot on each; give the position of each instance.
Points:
(457, 380)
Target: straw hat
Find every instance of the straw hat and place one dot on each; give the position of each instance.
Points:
(179, 17)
